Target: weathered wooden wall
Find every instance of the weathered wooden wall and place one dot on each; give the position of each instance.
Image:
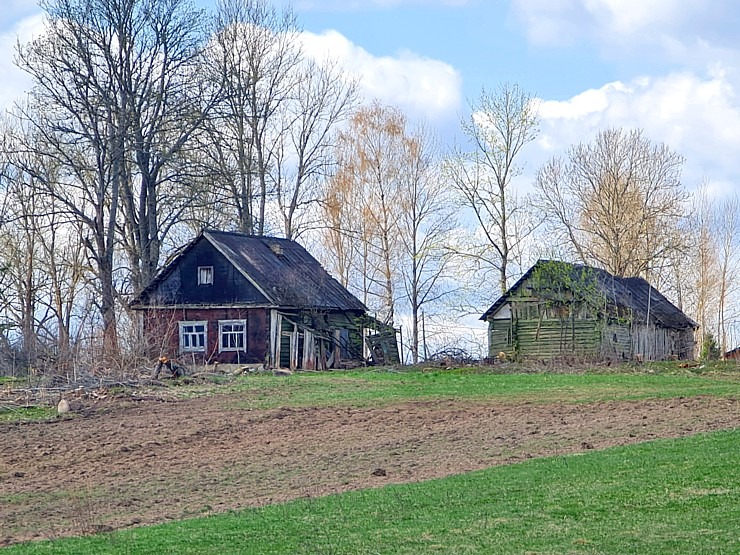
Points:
(500, 337)
(544, 338)
(313, 340)
(617, 342)
(552, 338)
(161, 330)
(229, 287)
(588, 338)
(655, 343)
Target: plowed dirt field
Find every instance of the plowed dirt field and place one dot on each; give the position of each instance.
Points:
(121, 463)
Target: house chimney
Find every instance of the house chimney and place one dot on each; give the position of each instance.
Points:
(277, 248)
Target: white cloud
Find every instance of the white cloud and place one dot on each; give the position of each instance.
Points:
(356, 5)
(632, 17)
(421, 87)
(697, 116)
(624, 26)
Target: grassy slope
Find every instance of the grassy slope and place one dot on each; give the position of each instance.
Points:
(671, 496)
(374, 388)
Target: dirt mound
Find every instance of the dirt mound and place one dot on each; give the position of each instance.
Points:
(129, 463)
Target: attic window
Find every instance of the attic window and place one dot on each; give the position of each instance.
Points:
(205, 275)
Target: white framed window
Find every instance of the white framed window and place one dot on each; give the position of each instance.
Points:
(232, 335)
(193, 337)
(205, 275)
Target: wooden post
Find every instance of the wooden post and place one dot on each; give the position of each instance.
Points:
(321, 364)
(294, 348)
(276, 326)
(309, 351)
(337, 349)
(424, 337)
(400, 355)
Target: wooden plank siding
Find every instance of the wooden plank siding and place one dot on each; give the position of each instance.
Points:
(308, 348)
(651, 343)
(180, 285)
(557, 308)
(586, 338)
(296, 314)
(552, 338)
(500, 337)
(161, 329)
(537, 338)
(617, 342)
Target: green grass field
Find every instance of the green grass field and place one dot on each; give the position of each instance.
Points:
(382, 387)
(667, 497)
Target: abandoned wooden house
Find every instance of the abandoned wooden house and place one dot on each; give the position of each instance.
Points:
(241, 299)
(561, 309)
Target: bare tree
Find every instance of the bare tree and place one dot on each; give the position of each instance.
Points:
(709, 273)
(120, 93)
(19, 260)
(617, 201)
(728, 223)
(370, 164)
(255, 53)
(702, 266)
(115, 98)
(425, 224)
(42, 253)
(501, 124)
(80, 135)
(388, 216)
(156, 63)
(341, 209)
(323, 97)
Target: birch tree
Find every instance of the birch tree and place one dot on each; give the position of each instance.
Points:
(389, 216)
(500, 125)
(426, 222)
(728, 219)
(370, 158)
(702, 266)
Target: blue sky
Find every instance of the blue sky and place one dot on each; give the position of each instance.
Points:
(670, 67)
(483, 40)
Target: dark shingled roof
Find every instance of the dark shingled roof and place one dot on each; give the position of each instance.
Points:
(280, 268)
(632, 293)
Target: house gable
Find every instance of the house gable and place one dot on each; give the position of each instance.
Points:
(180, 285)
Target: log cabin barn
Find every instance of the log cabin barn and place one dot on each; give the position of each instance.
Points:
(733, 354)
(558, 309)
(242, 299)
